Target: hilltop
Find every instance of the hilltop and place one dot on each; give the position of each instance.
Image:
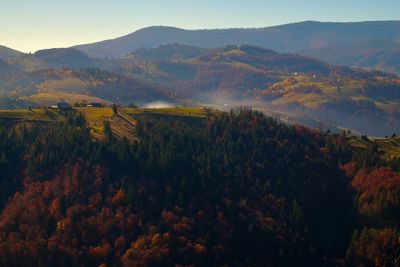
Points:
(158, 200)
(91, 85)
(192, 189)
(52, 58)
(6, 53)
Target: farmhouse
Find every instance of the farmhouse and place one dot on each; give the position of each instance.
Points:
(95, 105)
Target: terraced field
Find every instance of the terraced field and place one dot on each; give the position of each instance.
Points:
(44, 115)
(95, 118)
(357, 143)
(122, 124)
(389, 148)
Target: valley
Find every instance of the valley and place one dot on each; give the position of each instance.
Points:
(312, 91)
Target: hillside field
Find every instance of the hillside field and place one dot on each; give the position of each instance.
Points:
(122, 125)
(388, 148)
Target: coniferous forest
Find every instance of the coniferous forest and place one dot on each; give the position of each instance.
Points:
(235, 189)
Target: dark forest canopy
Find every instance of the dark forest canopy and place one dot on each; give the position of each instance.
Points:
(233, 189)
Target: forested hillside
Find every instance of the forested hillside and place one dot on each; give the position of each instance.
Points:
(224, 189)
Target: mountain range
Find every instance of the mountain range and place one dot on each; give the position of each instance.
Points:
(371, 44)
(6, 52)
(342, 40)
(161, 64)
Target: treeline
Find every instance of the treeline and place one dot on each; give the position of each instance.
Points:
(235, 189)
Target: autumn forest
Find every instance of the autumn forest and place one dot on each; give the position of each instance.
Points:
(232, 189)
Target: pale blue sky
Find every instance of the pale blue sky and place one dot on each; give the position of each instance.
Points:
(30, 25)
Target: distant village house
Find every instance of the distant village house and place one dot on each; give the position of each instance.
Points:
(95, 105)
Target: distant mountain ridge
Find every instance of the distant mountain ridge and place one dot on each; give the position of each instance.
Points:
(374, 54)
(6, 52)
(328, 41)
(371, 44)
(64, 57)
(285, 38)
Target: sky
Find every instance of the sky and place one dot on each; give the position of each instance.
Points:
(31, 25)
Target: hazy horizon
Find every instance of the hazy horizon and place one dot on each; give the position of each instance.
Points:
(50, 25)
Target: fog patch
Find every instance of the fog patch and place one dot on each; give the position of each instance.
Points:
(159, 104)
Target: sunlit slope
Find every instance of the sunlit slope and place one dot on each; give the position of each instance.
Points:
(85, 85)
(122, 123)
(388, 148)
(38, 115)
